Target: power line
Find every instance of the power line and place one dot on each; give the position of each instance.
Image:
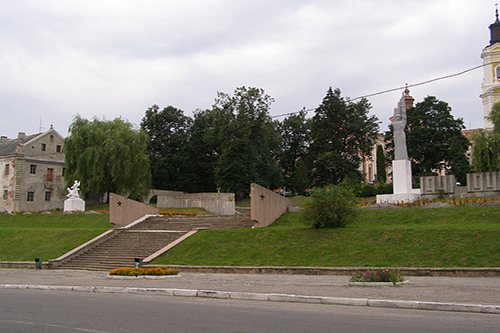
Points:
(396, 89)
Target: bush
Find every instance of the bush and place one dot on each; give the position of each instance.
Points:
(331, 207)
(384, 188)
(367, 191)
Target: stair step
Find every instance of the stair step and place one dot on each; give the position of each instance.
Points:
(126, 245)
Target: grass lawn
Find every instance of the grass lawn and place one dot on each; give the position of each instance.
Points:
(462, 236)
(25, 237)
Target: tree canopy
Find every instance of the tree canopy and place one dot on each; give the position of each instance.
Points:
(169, 133)
(486, 153)
(341, 131)
(247, 140)
(435, 140)
(295, 135)
(107, 156)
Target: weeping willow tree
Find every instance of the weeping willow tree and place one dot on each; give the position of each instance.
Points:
(107, 156)
(486, 156)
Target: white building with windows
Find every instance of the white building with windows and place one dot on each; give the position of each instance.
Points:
(32, 169)
(491, 81)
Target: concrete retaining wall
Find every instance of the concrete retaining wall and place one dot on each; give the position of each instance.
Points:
(123, 211)
(406, 271)
(483, 182)
(215, 203)
(437, 184)
(266, 205)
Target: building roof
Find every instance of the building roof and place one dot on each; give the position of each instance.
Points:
(495, 30)
(9, 146)
(469, 133)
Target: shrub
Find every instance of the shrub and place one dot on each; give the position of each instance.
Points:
(384, 188)
(383, 275)
(331, 207)
(367, 191)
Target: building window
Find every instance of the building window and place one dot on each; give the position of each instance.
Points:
(64, 172)
(44, 147)
(58, 148)
(48, 195)
(50, 174)
(7, 169)
(30, 196)
(5, 194)
(498, 72)
(33, 169)
(51, 138)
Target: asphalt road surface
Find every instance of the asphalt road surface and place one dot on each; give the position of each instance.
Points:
(59, 311)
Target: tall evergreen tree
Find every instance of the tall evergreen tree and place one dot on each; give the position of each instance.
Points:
(248, 139)
(381, 164)
(295, 133)
(202, 152)
(435, 140)
(169, 132)
(107, 156)
(341, 130)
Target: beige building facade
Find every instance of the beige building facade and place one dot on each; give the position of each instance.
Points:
(32, 169)
(491, 82)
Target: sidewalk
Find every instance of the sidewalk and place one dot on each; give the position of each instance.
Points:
(456, 290)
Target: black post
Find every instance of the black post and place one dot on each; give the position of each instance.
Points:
(138, 262)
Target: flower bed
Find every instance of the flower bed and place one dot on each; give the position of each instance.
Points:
(163, 212)
(383, 275)
(473, 200)
(156, 271)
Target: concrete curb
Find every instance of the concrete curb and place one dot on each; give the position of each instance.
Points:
(406, 271)
(414, 305)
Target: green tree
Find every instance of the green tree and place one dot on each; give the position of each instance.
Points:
(107, 156)
(435, 141)
(248, 141)
(381, 165)
(341, 131)
(300, 180)
(202, 151)
(486, 153)
(169, 132)
(295, 134)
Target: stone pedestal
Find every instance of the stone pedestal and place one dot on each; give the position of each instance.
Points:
(71, 205)
(401, 180)
(399, 198)
(401, 176)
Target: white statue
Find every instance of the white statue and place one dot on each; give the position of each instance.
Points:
(73, 191)
(399, 124)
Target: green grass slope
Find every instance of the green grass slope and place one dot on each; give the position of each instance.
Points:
(25, 237)
(462, 236)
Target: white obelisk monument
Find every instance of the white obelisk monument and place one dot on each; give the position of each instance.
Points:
(401, 165)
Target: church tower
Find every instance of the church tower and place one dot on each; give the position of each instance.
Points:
(491, 81)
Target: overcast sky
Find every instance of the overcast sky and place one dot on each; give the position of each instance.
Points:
(115, 58)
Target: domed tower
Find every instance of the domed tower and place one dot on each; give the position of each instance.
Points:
(491, 81)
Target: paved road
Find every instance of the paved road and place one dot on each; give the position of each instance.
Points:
(58, 311)
(485, 291)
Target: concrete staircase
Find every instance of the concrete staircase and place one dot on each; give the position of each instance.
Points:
(147, 237)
